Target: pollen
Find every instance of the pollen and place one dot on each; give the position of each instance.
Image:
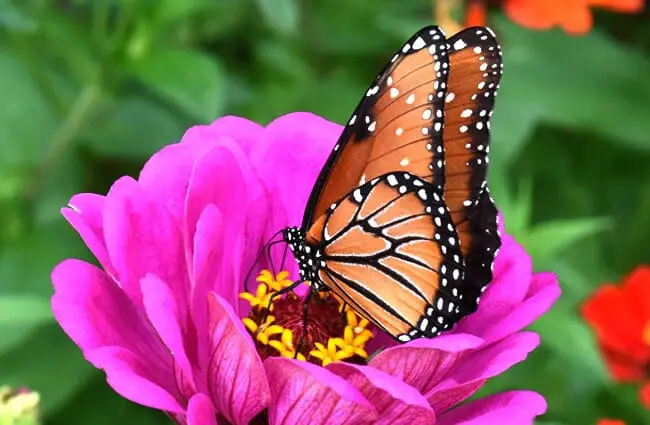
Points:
(333, 331)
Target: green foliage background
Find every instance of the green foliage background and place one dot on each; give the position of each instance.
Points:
(90, 89)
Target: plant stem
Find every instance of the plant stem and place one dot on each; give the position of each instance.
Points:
(37, 72)
(443, 15)
(81, 110)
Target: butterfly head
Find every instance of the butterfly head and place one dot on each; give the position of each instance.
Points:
(308, 256)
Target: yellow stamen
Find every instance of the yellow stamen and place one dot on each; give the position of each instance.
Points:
(275, 283)
(261, 299)
(263, 332)
(285, 345)
(329, 354)
(351, 343)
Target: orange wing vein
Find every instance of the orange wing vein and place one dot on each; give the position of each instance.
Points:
(391, 252)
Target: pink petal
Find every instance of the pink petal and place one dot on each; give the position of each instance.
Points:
(200, 411)
(545, 291)
(208, 246)
(124, 375)
(397, 403)
(85, 216)
(298, 144)
(164, 315)
(423, 363)
(166, 176)
(244, 132)
(142, 238)
(512, 276)
(501, 225)
(476, 366)
(90, 206)
(236, 379)
(96, 313)
(305, 393)
(512, 408)
(224, 178)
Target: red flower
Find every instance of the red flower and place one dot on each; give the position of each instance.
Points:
(573, 16)
(610, 422)
(620, 319)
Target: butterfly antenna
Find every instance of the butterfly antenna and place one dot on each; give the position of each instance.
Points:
(284, 256)
(266, 248)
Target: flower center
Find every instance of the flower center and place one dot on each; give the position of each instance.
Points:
(332, 332)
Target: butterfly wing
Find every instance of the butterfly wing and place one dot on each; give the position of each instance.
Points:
(389, 250)
(476, 68)
(396, 126)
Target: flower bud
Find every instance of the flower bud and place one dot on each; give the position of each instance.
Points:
(18, 407)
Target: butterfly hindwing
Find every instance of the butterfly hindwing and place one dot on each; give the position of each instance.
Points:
(390, 251)
(396, 126)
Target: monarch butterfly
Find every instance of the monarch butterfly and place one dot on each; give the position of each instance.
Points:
(400, 223)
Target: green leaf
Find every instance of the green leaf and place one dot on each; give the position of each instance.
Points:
(98, 404)
(590, 82)
(173, 10)
(13, 336)
(24, 310)
(514, 121)
(26, 264)
(134, 127)
(48, 363)
(548, 239)
(573, 343)
(515, 204)
(12, 18)
(65, 180)
(191, 80)
(27, 122)
(281, 15)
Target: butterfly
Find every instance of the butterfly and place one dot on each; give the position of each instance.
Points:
(400, 223)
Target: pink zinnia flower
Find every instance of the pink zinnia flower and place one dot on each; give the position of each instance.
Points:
(163, 316)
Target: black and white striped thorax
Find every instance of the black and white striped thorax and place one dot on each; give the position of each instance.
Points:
(309, 257)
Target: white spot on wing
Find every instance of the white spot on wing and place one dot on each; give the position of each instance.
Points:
(460, 44)
(418, 43)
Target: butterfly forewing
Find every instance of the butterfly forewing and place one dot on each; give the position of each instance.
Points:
(390, 251)
(396, 126)
(476, 68)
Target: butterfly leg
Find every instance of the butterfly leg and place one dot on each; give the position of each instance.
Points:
(266, 248)
(279, 293)
(305, 317)
(284, 256)
(268, 255)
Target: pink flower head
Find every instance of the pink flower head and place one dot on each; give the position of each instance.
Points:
(163, 316)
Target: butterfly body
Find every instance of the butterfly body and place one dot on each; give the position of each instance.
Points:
(400, 224)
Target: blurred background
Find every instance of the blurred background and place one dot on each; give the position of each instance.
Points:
(90, 89)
